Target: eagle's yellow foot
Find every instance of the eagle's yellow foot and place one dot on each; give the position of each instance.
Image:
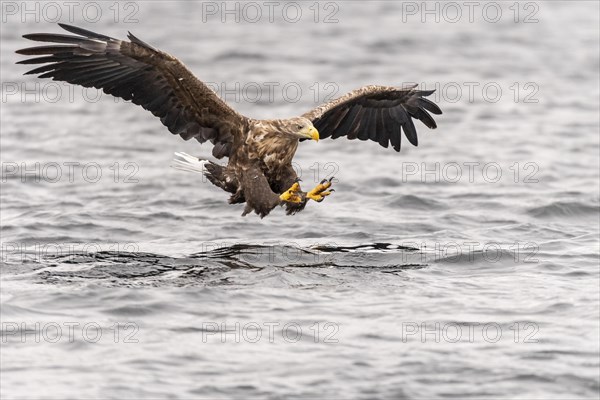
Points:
(292, 195)
(320, 191)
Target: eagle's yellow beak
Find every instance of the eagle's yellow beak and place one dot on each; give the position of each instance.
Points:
(313, 133)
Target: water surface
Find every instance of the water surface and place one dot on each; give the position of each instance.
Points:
(464, 268)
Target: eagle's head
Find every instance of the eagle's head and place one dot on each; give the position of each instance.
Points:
(299, 127)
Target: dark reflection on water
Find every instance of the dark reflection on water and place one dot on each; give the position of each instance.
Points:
(205, 267)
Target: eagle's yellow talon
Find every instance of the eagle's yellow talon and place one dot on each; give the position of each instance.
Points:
(291, 195)
(320, 191)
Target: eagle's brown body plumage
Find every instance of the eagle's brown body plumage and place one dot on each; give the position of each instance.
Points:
(260, 164)
(260, 152)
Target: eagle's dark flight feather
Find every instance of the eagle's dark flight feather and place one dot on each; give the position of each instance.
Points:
(138, 72)
(375, 113)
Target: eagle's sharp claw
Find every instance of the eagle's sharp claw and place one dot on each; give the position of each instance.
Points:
(320, 191)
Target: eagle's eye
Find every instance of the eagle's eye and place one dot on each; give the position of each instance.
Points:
(299, 127)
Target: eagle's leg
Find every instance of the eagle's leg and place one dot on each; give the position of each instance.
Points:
(320, 191)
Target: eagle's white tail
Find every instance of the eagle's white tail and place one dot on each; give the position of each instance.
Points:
(186, 162)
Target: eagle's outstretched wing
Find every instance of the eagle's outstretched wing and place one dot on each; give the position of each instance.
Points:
(375, 113)
(138, 72)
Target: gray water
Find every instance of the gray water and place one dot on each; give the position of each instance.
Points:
(464, 268)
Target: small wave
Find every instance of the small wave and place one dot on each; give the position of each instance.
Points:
(240, 55)
(564, 209)
(416, 202)
(383, 182)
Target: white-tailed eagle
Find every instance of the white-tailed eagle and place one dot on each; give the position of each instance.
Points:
(259, 170)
